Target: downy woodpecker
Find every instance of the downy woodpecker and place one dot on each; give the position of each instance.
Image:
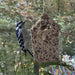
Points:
(19, 35)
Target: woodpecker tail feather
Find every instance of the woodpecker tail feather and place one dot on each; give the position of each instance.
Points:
(25, 52)
(30, 52)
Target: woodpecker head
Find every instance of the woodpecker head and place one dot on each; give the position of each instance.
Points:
(20, 24)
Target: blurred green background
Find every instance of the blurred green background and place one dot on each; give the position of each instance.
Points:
(12, 59)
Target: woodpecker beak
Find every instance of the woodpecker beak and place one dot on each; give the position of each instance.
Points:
(23, 22)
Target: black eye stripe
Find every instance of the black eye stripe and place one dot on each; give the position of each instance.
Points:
(19, 23)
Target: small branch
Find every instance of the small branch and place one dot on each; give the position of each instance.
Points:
(7, 30)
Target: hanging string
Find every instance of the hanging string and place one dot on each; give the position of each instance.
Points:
(43, 6)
